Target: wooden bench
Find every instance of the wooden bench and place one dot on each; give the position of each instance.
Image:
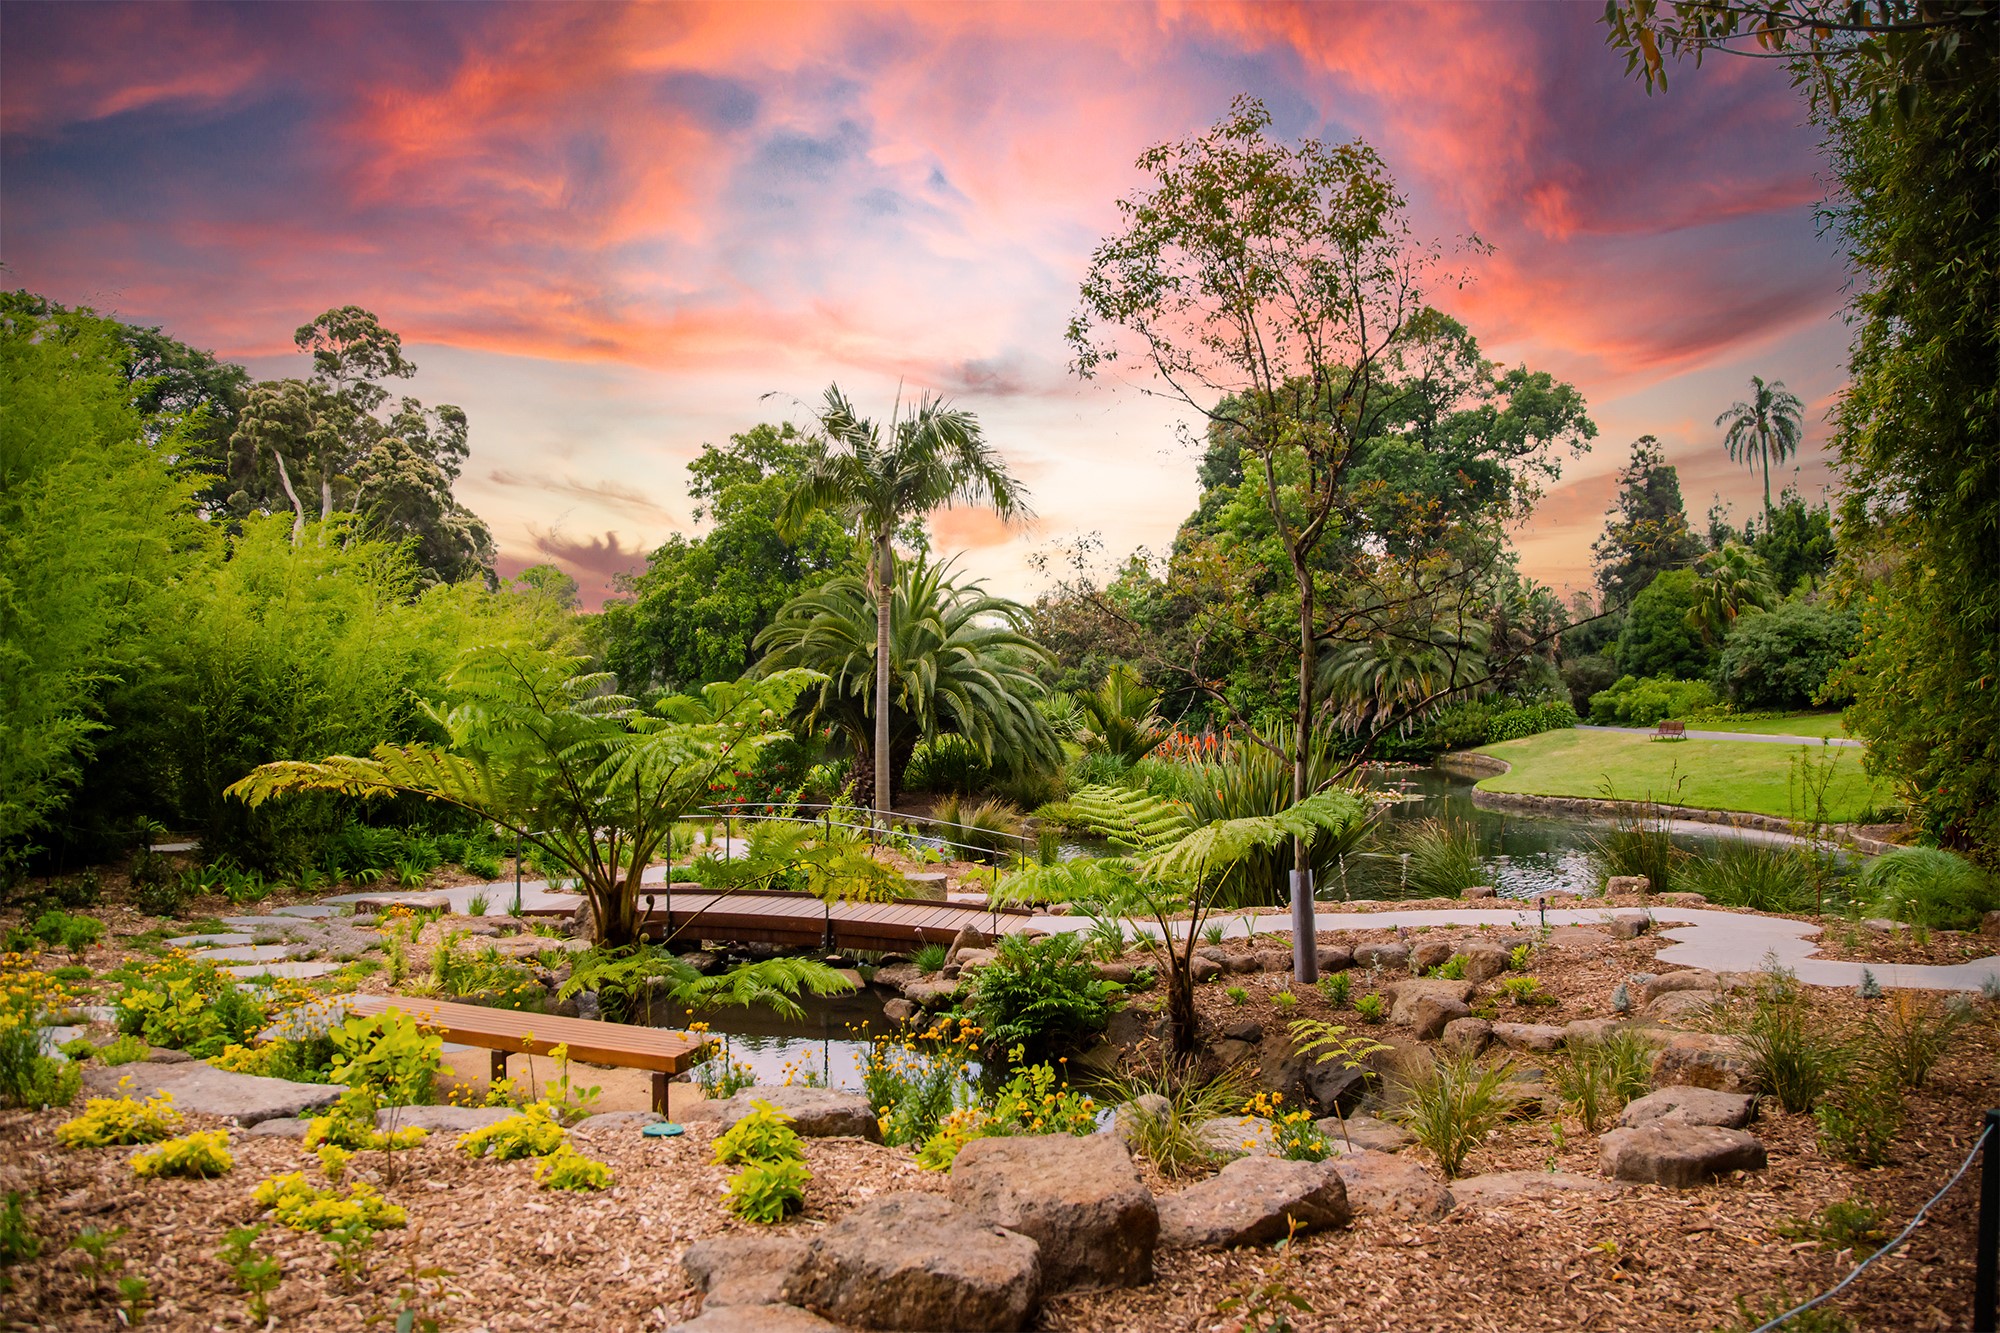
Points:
(1670, 731)
(507, 1031)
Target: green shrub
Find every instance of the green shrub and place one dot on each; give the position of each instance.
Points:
(1783, 658)
(1633, 702)
(1041, 995)
(533, 1133)
(389, 1056)
(1236, 994)
(1930, 888)
(1452, 968)
(1335, 987)
(764, 1135)
(1442, 858)
(1372, 1008)
(768, 1192)
(1462, 726)
(198, 1156)
(1525, 990)
(109, 1121)
(18, 1241)
(1450, 1103)
(189, 1005)
(256, 1273)
(1763, 878)
(1036, 1100)
(1516, 723)
(60, 930)
(568, 1169)
(948, 763)
(350, 1124)
(299, 1205)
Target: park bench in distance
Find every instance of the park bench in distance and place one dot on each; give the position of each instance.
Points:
(1670, 731)
(505, 1031)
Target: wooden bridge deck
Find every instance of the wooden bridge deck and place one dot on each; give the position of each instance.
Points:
(800, 920)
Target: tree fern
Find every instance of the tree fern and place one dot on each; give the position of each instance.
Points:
(1128, 818)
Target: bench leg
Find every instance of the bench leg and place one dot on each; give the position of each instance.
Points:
(659, 1093)
(499, 1069)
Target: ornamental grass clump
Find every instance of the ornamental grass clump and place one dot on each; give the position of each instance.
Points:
(1792, 1058)
(1167, 1131)
(1904, 1039)
(1452, 1102)
(1595, 1079)
(1443, 859)
(199, 1156)
(109, 1121)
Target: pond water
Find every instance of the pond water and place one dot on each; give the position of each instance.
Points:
(827, 1042)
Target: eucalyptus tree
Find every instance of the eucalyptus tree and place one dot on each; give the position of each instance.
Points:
(959, 661)
(1276, 290)
(1763, 429)
(877, 479)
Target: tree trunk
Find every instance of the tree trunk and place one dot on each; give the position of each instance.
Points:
(885, 794)
(298, 510)
(325, 506)
(1305, 942)
(616, 907)
(1182, 1022)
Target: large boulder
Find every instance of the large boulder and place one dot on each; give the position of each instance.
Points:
(1406, 995)
(1669, 982)
(1382, 1185)
(816, 1113)
(895, 976)
(1205, 969)
(1618, 884)
(1703, 1060)
(919, 1261)
(1427, 954)
(1080, 1199)
(1678, 1156)
(1690, 1106)
(1364, 1133)
(1385, 955)
(1536, 1038)
(1683, 1006)
(1483, 962)
(1253, 1201)
(1629, 925)
(203, 1089)
(930, 995)
(745, 1269)
(1434, 1013)
(1335, 958)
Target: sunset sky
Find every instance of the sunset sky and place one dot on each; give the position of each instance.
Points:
(608, 231)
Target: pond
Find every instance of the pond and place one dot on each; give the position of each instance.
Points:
(827, 1042)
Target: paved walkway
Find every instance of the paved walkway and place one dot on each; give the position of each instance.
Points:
(1717, 941)
(1759, 737)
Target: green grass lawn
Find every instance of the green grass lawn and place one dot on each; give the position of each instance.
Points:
(1796, 724)
(1750, 776)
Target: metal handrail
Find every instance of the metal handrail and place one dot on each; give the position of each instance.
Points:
(727, 812)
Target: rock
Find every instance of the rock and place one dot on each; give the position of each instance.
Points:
(616, 1122)
(1481, 891)
(756, 1319)
(280, 1127)
(1364, 1133)
(1240, 1136)
(1405, 994)
(1668, 983)
(1383, 1185)
(1683, 900)
(1579, 935)
(930, 996)
(1468, 1035)
(1629, 925)
(1690, 1106)
(1246, 1029)
(1252, 1201)
(1429, 954)
(1882, 923)
(1699, 1060)
(1434, 1013)
(919, 1261)
(1683, 1006)
(1540, 1038)
(1118, 972)
(166, 1055)
(1498, 1188)
(1149, 1105)
(1618, 884)
(442, 1119)
(1205, 969)
(895, 976)
(1332, 1087)
(899, 1010)
(1381, 955)
(969, 937)
(1079, 1199)
(1483, 962)
(1272, 960)
(816, 1113)
(1588, 1031)
(745, 1270)
(1990, 924)
(1214, 953)
(1678, 1156)
(205, 1090)
(1243, 963)
(704, 961)
(587, 1006)
(927, 885)
(1333, 958)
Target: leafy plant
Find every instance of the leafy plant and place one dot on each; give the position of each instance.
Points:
(1519, 957)
(1284, 999)
(1595, 1079)
(1452, 1102)
(350, 1123)
(296, 1203)
(719, 1077)
(1525, 990)
(389, 1056)
(75, 934)
(1372, 1008)
(915, 1080)
(1236, 994)
(135, 1299)
(190, 1005)
(1040, 995)
(763, 1135)
(476, 905)
(774, 983)
(199, 1155)
(256, 1273)
(769, 1191)
(1452, 968)
(18, 1241)
(1296, 1136)
(1266, 1303)
(1036, 1100)
(108, 1121)
(1107, 937)
(568, 1169)
(533, 1133)
(1853, 1224)
(1859, 1119)
(1168, 1133)
(1335, 987)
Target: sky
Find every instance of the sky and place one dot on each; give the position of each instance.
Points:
(612, 232)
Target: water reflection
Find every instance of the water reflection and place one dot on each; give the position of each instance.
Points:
(826, 1042)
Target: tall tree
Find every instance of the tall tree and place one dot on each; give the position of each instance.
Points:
(877, 480)
(1731, 581)
(1763, 429)
(1275, 289)
(1649, 531)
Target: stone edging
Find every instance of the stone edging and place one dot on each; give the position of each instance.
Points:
(1466, 763)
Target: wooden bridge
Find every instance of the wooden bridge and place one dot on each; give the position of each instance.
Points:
(799, 920)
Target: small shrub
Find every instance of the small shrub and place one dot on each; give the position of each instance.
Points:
(333, 1160)
(72, 972)
(109, 1121)
(1297, 1137)
(199, 1156)
(533, 1133)
(1034, 1101)
(297, 1204)
(1931, 889)
(930, 958)
(58, 929)
(1451, 1103)
(350, 1123)
(768, 1192)
(390, 1056)
(1518, 959)
(1515, 723)
(1335, 986)
(568, 1169)
(1525, 990)
(18, 1241)
(1236, 994)
(256, 1273)
(1284, 999)
(1372, 1008)
(1905, 1039)
(188, 1005)
(1452, 968)
(1869, 989)
(764, 1135)
(1858, 1119)
(1041, 995)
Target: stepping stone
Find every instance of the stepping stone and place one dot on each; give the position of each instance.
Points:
(745, 1270)
(210, 941)
(205, 1090)
(1252, 1201)
(816, 1113)
(442, 1119)
(249, 953)
(1381, 1185)
(617, 1122)
(1690, 1106)
(286, 971)
(756, 1319)
(305, 911)
(288, 925)
(1080, 1199)
(1499, 1188)
(920, 1261)
(1678, 1156)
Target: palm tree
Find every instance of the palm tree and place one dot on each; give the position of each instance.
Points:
(934, 456)
(1732, 581)
(1124, 722)
(1763, 430)
(959, 661)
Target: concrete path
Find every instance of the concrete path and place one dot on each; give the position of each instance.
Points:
(1717, 941)
(1759, 737)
